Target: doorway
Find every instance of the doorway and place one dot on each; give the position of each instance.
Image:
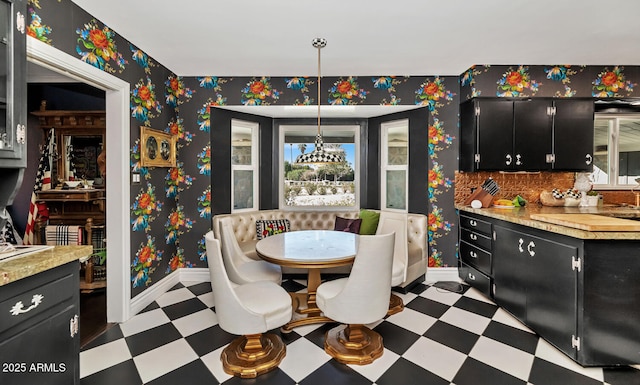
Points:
(118, 294)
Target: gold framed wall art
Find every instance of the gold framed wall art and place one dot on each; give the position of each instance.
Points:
(157, 148)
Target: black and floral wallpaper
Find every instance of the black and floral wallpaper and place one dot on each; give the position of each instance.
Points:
(170, 209)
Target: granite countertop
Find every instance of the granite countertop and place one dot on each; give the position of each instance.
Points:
(522, 216)
(24, 266)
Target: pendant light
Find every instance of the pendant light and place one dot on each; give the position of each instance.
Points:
(319, 155)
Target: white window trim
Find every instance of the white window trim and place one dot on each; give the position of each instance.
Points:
(613, 154)
(384, 167)
(254, 127)
(356, 167)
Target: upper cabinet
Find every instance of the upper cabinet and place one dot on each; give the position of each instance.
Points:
(13, 85)
(526, 134)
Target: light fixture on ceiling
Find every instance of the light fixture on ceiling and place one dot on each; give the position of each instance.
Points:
(319, 155)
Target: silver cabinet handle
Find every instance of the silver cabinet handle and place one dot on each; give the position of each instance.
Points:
(473, 254)
(518, 160)
(473, 223)
(530, 248)
(588, 159)
(473, 236)
(508, 159)
(471, 277)
(18, 308)
(520, 243)
(73, 326)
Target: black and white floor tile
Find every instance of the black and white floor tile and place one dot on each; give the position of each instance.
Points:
(447, 334)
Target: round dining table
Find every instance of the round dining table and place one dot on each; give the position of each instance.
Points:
(313, 250)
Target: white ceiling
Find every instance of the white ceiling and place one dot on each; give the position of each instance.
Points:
(372, 37)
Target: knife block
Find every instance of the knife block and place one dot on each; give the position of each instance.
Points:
(482, 196)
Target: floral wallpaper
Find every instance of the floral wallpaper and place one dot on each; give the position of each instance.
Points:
(171, 210)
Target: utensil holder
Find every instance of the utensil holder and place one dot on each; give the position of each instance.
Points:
(483, 196)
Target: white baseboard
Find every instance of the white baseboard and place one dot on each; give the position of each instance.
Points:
(195, 274)
(147, 297)
(436, 274)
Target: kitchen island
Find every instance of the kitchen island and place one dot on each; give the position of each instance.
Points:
(39, 316)
(577, 289)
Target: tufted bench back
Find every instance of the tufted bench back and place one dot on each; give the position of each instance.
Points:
(244, 223)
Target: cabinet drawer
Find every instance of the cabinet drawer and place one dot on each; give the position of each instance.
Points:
(475, 239)
(477, 225)
(476, 257)
(30, 297)
(475, 278)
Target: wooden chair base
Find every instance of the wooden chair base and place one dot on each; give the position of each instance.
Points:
(395, 305)
(353, 344)
(252, 355)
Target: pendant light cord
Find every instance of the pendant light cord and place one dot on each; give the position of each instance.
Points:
(319, 48)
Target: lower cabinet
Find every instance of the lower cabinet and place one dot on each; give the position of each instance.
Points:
(39, 331)
(536, 279)
(580, 295)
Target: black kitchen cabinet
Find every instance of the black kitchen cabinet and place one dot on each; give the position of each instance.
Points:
(573, 134)
(13, 85)
(536, 280)
(475, 253)
(526, 134)
(580, 295)
(39, 330)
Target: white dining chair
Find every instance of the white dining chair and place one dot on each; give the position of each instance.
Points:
(240, 268)
(248, 310)
(396, 222)
(362, 298)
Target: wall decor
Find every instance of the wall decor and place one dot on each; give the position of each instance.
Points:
(158, 149)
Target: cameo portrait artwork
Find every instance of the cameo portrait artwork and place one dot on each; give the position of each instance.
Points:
(152, 147)
(165, 151)
(158, 148)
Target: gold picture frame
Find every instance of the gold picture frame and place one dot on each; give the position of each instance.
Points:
(157, 148)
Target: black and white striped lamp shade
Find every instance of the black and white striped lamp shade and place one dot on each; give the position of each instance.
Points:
(319, 155)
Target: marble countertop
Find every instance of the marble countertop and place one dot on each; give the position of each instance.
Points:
(27, 265)
(522, 216)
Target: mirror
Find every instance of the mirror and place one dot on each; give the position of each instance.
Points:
(78, 155)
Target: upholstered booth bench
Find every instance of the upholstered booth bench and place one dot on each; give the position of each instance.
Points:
(244, 225)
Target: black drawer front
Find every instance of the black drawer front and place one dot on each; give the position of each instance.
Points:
(477, 225)
(476, 239)
(475, 278)
(32, 301)
(475, 257)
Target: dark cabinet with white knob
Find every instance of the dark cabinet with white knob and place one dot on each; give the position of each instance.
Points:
(13, 85)
(536, 134)
(39, 328)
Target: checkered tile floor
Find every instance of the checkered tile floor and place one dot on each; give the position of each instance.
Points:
(447, 334)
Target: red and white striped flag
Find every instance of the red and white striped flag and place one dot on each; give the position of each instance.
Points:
(43, 182)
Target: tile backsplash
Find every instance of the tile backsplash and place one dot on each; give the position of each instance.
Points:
(527, 185)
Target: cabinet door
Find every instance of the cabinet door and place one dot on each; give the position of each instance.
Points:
(532, 121)
(13, 87)
(552, 291)
(510, 271)
(495, 134)
(45, 353)
(573, 135)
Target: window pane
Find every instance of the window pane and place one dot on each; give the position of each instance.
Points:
(396, 189)
(332, 184)
(242, 189)
(629, 150)
(601, 145)
(397, 146)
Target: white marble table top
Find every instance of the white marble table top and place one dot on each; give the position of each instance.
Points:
(309, 248)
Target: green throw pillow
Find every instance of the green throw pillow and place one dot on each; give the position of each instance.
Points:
(369, 223)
